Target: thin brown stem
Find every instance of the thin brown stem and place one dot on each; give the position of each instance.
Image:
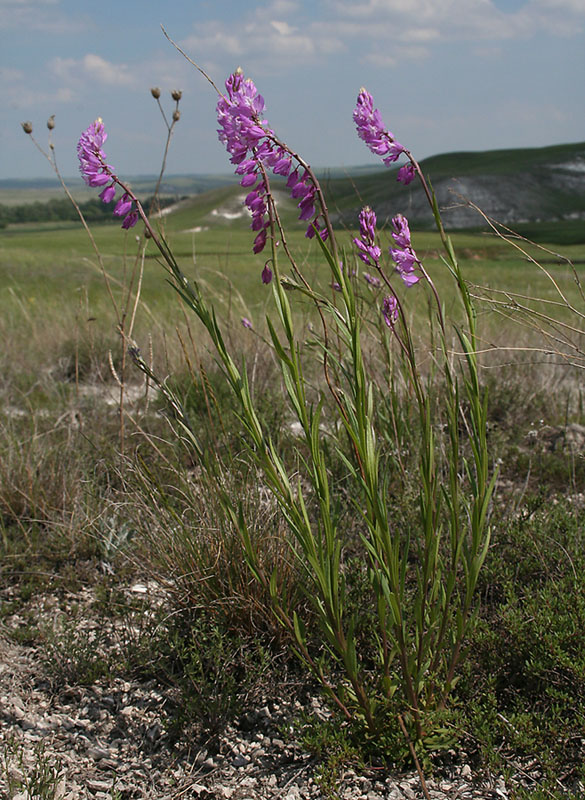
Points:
(190, 60)
(421, 776)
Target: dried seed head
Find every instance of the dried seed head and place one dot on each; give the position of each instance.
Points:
(155, 92)
(27, 127)
(176, 94)
(176, 115)
(51, 122)
(147, 234)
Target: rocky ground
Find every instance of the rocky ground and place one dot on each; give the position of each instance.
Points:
(108, 739)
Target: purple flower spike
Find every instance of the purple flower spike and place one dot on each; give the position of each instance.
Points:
(403, 255)
(390, 311)
(401, 231)
(92, 159)
(255, 151)
(369, 252)
(95, 171)
(379, 139)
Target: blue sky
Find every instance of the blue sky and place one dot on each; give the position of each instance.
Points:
(448, 75)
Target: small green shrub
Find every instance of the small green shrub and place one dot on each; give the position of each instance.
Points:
(523, 686)
(215, 674)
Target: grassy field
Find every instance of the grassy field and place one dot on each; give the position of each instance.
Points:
(70, 497)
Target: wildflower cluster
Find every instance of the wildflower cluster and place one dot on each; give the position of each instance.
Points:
(254, 150)
(97, 172)
(379, 139)
(402, 254)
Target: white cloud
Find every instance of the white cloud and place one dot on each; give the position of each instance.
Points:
(39, 15)
(386, 30)
(282, 27)
(213, 37)
(93, 67)
(269, 32)
(389, 58)
(106, 72)
(457, 19)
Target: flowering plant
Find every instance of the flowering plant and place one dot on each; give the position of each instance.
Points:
(422, 583)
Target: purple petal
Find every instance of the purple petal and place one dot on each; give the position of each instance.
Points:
(98, 180)
(108, 193)
(123, 205)
(249, 179)
(130, 220)
(260, 242)
(282, 166)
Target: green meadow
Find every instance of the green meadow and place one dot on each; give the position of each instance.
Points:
(56, 260)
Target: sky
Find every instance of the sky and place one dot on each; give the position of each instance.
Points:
(447, 75)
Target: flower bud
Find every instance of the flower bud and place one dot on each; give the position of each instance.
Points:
(155, 92)
(51, 122)
(27, 127)
(147, 234)
(176, 94)
(176, 115)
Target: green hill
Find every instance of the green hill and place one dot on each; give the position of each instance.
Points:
(514, 187)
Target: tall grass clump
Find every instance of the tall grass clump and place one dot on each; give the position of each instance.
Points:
(379, 381)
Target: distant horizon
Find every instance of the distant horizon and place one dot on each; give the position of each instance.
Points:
(146, 176)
